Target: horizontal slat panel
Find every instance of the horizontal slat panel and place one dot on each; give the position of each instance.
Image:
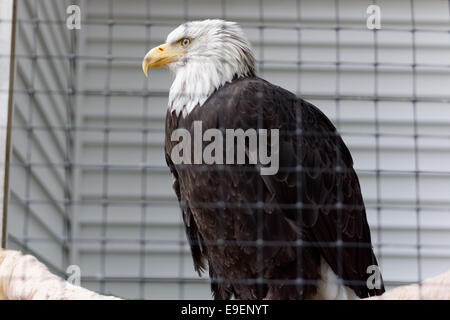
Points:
(397, 12)
(394, 227)
(312, 80)
(152, 289)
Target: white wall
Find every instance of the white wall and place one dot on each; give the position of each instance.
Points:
(124, 266)
(38, 221)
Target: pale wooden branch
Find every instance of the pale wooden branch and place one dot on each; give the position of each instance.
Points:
(23, 277)
(436, 288)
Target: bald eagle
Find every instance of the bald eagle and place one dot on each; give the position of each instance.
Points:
(300, 233)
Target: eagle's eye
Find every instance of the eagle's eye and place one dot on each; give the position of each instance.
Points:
(185, 42)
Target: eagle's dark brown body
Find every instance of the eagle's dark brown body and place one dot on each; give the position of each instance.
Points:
(312, 201)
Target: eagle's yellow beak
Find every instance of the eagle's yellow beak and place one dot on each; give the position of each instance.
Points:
(159, 56)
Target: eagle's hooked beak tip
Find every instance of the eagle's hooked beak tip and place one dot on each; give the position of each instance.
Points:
(145, 67)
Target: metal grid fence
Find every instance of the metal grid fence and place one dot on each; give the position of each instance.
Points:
(48, 130)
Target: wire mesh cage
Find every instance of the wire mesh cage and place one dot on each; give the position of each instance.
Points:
(88, 180)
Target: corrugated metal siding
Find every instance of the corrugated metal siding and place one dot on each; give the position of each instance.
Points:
(37, 218)
(123, 204)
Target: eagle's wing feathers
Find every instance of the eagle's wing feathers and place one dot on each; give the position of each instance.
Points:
(315, 175)
(315, 172)
(198, 250)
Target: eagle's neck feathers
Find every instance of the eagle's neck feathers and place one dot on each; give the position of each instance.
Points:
(195, 83)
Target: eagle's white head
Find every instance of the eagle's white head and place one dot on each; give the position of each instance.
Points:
(204, 55)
